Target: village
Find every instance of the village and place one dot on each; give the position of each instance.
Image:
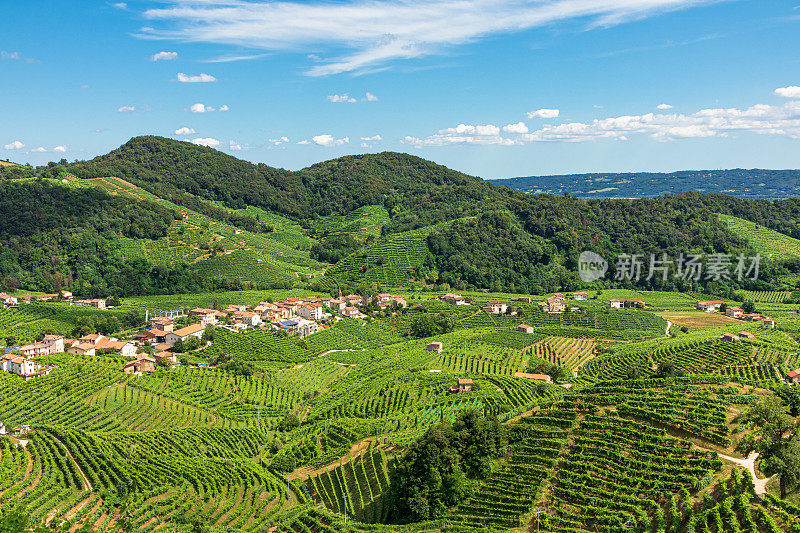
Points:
(155, 344)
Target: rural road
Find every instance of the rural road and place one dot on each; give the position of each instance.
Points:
(749, 464)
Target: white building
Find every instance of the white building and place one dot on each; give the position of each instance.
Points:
(183, 334)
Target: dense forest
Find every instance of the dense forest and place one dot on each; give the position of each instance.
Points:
(55, 237)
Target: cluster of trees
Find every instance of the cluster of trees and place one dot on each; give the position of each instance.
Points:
(773, 430)
(105, 324)
(430, 324)
(437, 470)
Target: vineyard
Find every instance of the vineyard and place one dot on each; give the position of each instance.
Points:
(767, 242)
(315, 428)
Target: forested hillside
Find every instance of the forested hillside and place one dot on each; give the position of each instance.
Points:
(56, 237)
(387, 218)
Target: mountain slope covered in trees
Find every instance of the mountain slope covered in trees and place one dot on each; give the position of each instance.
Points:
(387, 218)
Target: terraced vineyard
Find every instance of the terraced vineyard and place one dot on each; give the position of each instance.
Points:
(215, 248)
(334, 412)
(765, 241)
(766, 296)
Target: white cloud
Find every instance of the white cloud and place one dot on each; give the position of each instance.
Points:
(208, 141)
(519, 127)
(200, 78)
(201, 108)
(341, 98)
(39, 150)
(61, 149)
(224, 107)
(164, 56)
(758, 119)
(374, 33)
(663, 106)
(543, 113)
(235, 146)
(374, 138)
(184, 131)
(121, 5)
(329, 140)
(15, 145)
(126, 109)
(278, 141)
(304, 141)
(10, 55)
(370, 97)
(788, 92)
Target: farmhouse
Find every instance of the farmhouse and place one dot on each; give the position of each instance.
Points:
(626, 303)
(709, 306)
(454, 299)
(49, 345)
(19, 365)
(247, 318)
(521, 299)
(769, 322)
(82, 348)
(163, 324)
(524, 328)
(166, 356)
(183, 334)
(98, 303)
(734, 312)
(124, 348)
(537, 377)
(580, 296)
(554, 304)
(66, 295)
(145, 364)
(7, 300)
(435, 346)
(747, 335)
(793, 376)
(496, 307)
(354, 299)
(463, 385)
(730, 337)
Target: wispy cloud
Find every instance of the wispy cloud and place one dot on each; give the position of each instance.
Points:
(16, 56)
(761, 119)
(199, 78)
(341, 99)
(375, 33)
(126, 109)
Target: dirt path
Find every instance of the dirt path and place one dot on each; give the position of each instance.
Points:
(669, 325)
(750, 464)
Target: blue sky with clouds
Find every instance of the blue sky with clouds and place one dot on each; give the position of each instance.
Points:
(496, 88)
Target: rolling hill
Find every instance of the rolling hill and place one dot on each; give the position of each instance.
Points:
(375, 218)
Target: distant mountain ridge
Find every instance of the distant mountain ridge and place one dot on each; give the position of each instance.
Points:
(743, 183)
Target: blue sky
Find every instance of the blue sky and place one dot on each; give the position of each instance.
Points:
(495, 88)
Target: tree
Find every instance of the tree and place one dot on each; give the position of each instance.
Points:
(773, 433)
(749, 307)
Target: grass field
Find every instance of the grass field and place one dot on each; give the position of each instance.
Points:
(698, 319)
